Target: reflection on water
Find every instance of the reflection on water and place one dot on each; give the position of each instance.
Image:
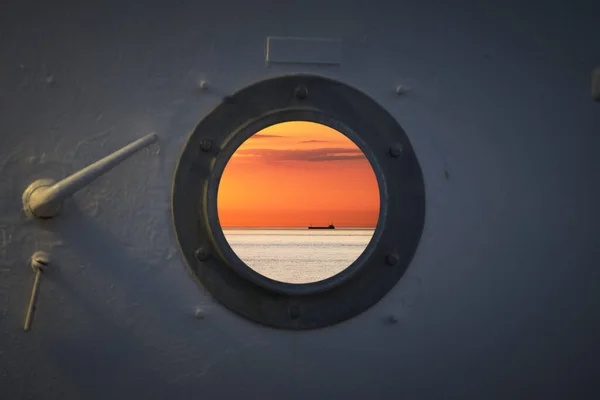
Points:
(298, 255)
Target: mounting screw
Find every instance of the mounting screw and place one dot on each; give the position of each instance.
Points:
(205, 145)
(202, 254)
(40, 260)
(401, 90)
(50, 80)
(301, 92)
(294, 312)
(392, 259)
(396, 150)
(199, 313)
(203, 85)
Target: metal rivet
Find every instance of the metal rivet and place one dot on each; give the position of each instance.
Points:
(202, 254)
(396, 150)
(301, 92)
(205, 145)
(202, 85)
(401, 89)
(199, 313)
(392, 259)
(294, 312)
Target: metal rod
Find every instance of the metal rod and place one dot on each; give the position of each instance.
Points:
(32, 300)
(44, 200)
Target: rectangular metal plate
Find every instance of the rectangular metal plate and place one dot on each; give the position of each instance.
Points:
(596, 84)
(297, 50)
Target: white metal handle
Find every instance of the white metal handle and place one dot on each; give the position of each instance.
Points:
(43, 197)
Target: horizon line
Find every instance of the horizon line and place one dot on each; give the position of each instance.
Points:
(294, 227)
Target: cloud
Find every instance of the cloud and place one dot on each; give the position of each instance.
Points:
(314, 141)
(338, 158)
(309, 155)
(263, 135)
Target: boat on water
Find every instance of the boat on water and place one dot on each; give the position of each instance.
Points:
(331, 226)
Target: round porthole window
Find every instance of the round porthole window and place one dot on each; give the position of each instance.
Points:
(298, 202)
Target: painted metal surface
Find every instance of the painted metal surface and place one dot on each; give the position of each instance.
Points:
(501, 298)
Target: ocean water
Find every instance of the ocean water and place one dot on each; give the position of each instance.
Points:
(298, 255)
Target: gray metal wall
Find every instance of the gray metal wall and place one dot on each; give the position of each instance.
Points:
(501, 300)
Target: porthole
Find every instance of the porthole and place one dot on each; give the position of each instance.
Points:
(316, 303)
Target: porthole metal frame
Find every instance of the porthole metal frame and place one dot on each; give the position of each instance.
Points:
(401, 214)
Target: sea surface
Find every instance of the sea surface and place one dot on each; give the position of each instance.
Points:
(298, 255)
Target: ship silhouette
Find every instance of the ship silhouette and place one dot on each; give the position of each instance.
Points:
(330, 226)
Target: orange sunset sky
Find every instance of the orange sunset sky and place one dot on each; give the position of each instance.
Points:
(295, 174)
